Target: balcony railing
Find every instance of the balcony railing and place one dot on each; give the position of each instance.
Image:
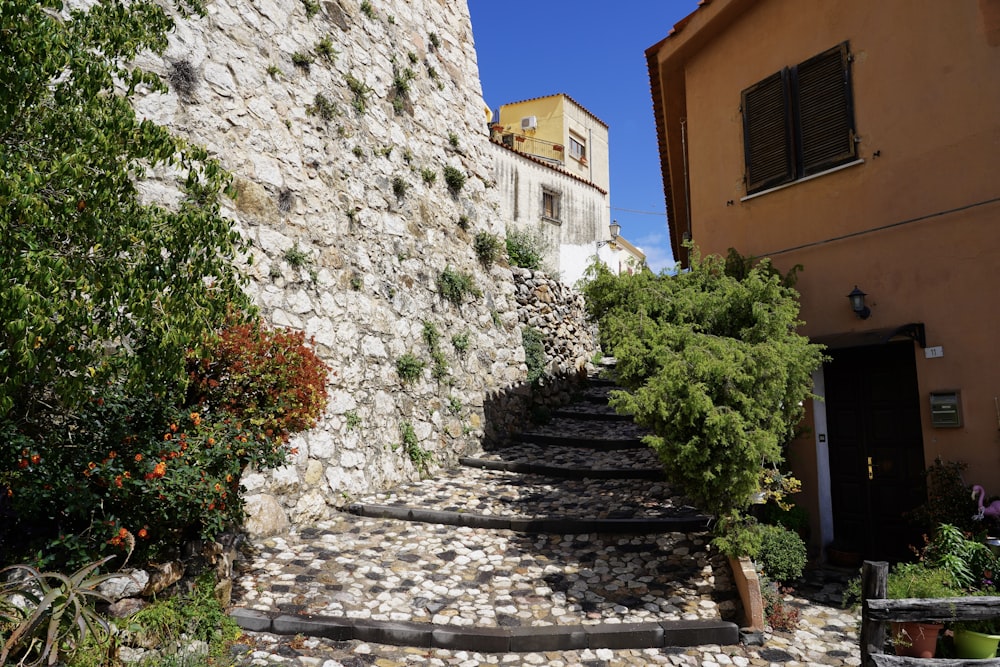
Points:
(539, 148)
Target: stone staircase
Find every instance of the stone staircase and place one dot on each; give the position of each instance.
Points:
(566, 538)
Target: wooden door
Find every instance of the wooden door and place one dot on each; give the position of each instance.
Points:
(876, 448)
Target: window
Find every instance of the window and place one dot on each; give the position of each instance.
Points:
(550, 205)
(799, 121)
(577, 148)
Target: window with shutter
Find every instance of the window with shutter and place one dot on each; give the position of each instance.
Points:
(799, 121)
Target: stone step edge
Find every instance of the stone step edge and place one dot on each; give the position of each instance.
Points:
(562, 471)
(492, 639)
(587, 416)
(556, 525)
(602, 444)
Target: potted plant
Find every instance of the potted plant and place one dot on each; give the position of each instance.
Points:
(917, 580)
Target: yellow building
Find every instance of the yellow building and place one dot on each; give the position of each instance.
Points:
(557, 129)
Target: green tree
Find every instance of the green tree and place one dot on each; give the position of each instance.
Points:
(712, 364)
(98, 285)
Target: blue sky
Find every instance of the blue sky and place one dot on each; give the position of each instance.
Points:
(592, 50)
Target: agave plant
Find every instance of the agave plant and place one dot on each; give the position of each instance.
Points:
(46, 614)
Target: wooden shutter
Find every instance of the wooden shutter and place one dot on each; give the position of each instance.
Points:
(767, 133)
(825, 135)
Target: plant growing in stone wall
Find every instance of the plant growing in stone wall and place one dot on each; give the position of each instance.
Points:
(428, 175)
(487, 247)
(367, 9)
(419, 456)
(360, 90)
(409, 367)
(433, 339)
(302, 60)
(454, 178)
(325, 48)
(455, 285)
(534, 353)
(524, 250)
(460, 342)
(399, 187)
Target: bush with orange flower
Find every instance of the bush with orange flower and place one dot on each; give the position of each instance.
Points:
(134, 463)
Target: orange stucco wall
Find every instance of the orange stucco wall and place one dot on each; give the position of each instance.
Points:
(926, 87)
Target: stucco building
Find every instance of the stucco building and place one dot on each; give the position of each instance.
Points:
(861, 140)
(552, 170)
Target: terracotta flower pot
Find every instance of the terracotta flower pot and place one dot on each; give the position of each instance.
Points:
(915, 640)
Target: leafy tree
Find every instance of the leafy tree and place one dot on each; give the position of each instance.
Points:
(713, 365)
(105, 296)
(97, 285)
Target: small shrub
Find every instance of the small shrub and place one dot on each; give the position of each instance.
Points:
(460, 342)
(302, 60)
(325, 48)
(352, 420)
(399, 187)
(360, 91)
(454, 405)
(454, 178)
(432, 73)
(367, 9)
(464, 222)
(780, 615)
(323, 107)
(412, 57)
(285, 200)
(417, 454)
(435, 40)
(183, 77)
(453, 140)
(782, 553)
(431, 334)
(534, 353)
(523, 250)
(428, 175)
(274, 71)
(487, 247)
(358, 151)
(357, 282)
(454, 285)
(409, 367)
(296, 257)
(311, 7)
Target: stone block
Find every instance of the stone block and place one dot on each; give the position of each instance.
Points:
(624, 635)
(548, 638)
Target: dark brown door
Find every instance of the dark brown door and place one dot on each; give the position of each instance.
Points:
(876, 448)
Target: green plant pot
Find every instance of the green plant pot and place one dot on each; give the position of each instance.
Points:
(971, 644)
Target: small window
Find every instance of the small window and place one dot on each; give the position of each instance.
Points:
(550, 205)
(577, 148)
(799, 121)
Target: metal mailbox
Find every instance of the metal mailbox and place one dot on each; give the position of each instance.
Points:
(946, 409)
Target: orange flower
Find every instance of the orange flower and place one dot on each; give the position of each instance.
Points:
(112, 454)
(143, 533)
(118, 481)
(211, 506)
(229, 478)
(211, 441)
(138, 457)
(173, 427)
(218, 487)
(127, 475)
(91, 465)
(22, 464)
(166, 436)
(35, 458)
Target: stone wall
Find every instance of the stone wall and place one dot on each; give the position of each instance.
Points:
(338, 120)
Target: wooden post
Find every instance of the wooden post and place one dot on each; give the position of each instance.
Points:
(874, 575)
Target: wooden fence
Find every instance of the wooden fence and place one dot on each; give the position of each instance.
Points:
(877, 611)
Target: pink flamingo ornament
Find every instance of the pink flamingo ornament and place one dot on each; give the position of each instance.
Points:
(993, 509)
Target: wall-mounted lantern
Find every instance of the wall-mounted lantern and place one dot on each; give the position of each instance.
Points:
(857, 298)
(615, 231)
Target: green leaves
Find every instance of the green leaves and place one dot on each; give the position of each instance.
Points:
(97, 284)
(712, 365)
